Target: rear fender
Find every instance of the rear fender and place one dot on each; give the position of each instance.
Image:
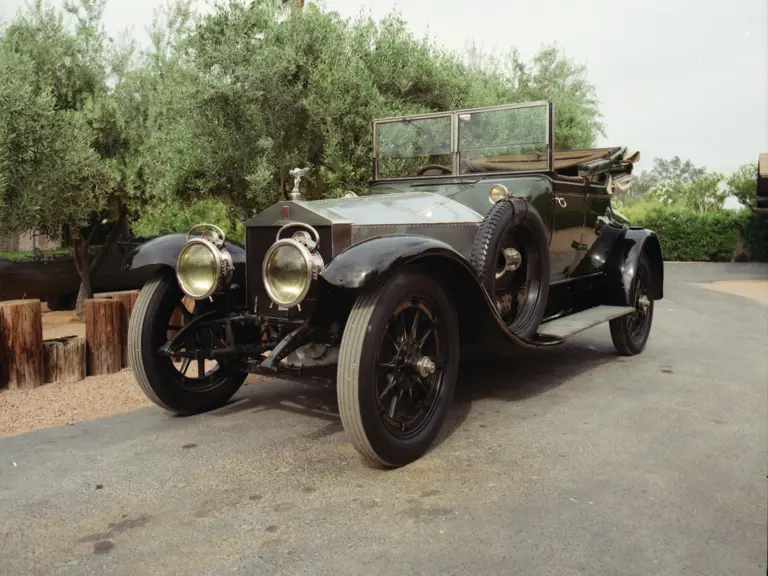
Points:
(621, 267)
(373, 261)
(162, 253)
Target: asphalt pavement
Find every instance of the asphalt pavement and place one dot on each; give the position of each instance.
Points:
(569, 461)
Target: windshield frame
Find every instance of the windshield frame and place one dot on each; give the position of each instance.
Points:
(455, 152)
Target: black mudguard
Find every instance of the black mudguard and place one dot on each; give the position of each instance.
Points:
(163, 252)
(621, 264)
(373, 261)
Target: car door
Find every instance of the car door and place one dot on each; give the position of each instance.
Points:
(569, 206)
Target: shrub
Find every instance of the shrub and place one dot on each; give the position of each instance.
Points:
(756, 237)
(179, 217)
(703, 237)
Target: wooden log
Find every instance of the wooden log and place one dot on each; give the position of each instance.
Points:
(178, 319)
(64, 359)
(3, 375)
(127, 301)
(102, 336)
(21, 341)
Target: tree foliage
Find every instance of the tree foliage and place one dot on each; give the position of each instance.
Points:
(261, 87)
(743, 184)
(703, 193)
(668, 172)
(681, 184)
(71, 117)
(41, 146)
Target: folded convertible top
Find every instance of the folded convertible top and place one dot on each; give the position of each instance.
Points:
(565, 162)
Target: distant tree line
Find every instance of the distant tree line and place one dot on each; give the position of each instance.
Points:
(685, 205)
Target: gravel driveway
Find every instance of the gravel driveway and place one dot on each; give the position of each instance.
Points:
(571, 461)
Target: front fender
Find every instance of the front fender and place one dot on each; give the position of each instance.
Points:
(374, 259)
(371, 262)
(163, 252)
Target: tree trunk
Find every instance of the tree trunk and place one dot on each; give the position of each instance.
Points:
(21, 341)
(64, 359)
(86, 267)
(83, 265)
(103, 336)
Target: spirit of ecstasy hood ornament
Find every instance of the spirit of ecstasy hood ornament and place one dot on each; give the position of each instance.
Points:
(298, 174)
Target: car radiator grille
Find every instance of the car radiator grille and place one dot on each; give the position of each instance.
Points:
(258, 241)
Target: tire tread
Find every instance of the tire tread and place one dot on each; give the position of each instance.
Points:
(348, 373)
(135, 327)
(482, 244)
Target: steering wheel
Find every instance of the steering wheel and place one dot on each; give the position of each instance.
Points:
(443, 169)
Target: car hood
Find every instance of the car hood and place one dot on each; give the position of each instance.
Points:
(399, 208)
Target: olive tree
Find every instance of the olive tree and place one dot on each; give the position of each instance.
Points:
(72, 123)
(261, 87)
(42, 146)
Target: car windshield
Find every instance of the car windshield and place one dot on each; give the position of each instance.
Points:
(412, 147)
(507, 139)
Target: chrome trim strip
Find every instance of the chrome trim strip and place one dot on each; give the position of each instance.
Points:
(550, 137)
(532, 104)
(569, 280)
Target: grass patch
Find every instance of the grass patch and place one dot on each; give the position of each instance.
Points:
(22, 256)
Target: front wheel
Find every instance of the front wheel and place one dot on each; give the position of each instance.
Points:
(179, 385)
(397, 370)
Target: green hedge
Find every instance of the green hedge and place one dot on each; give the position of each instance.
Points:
(713, 237)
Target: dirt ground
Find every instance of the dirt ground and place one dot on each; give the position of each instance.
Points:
(57, 404)
(60, 324)
(755, 289)
(61, 404)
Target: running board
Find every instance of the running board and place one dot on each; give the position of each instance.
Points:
(575, 323)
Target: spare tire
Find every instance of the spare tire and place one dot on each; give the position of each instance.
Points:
(510, 256)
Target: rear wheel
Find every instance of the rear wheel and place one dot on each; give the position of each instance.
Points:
(397, 369)
(630, 333)
(180, 385)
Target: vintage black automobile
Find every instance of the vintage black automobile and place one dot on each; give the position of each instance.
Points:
(474, 230)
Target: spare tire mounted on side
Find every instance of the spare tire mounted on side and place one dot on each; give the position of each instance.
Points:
(510, 256)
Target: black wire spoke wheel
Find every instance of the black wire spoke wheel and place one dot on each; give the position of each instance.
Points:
(182, 384)
(194, 373)
(638, 320)
(630, 332)
(410, 370)
(398, 366)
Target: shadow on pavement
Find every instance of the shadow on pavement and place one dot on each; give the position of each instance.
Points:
(485, 376)
(481, 376)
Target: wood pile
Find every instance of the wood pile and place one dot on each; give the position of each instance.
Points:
(27, 361)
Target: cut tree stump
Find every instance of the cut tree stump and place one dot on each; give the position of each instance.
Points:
(64, 359)
(177, 318)
(21, 344)
(127, 301)
(103, 336)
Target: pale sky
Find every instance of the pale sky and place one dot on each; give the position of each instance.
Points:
(684, 78)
